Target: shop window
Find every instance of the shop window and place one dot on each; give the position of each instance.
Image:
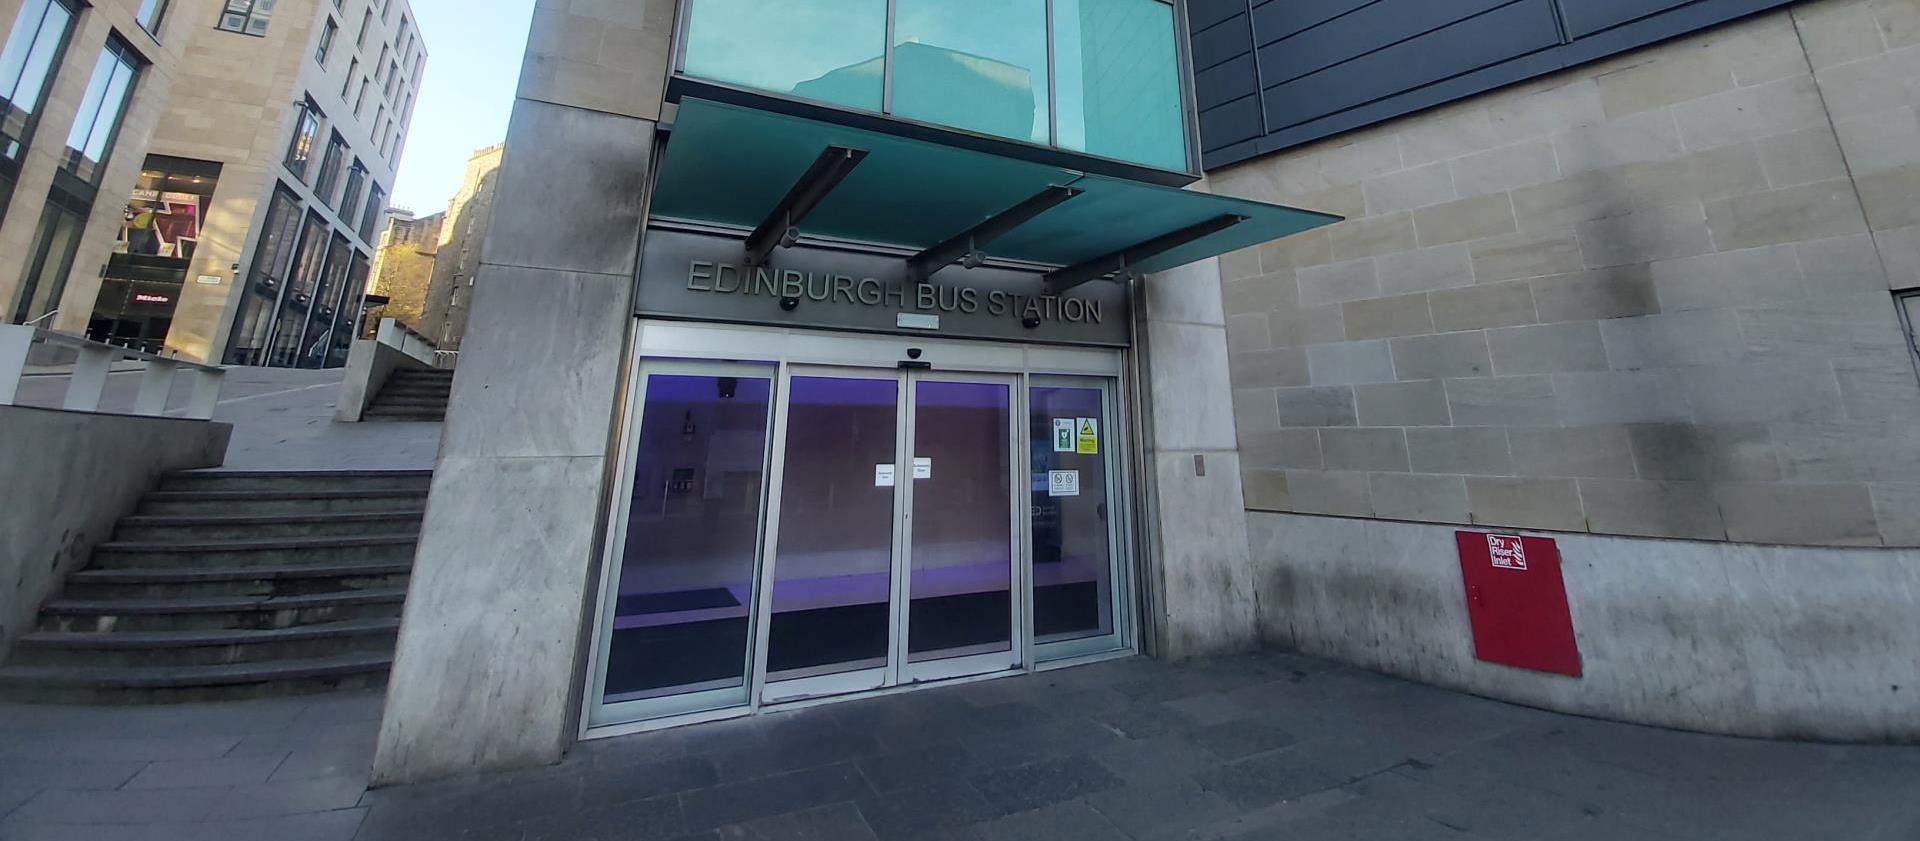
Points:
(160, 227)
(980, 66)
(306, 132)
(248, 17)
(33, 50)
(326, 184)
(101, 107)
(325, 49)
(151, 15)
(266, 280)
(298, 299)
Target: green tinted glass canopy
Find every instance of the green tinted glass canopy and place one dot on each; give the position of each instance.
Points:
(730, 165)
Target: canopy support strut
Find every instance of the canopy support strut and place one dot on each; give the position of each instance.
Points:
(782, 226)
(966, 246)
(1061, 280)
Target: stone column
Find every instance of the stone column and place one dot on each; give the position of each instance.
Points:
(1198, 564)
(489, 667)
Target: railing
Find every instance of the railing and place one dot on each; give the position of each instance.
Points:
(400, 337)
(88, 381)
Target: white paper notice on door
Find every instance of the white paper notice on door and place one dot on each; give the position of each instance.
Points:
(1063, 435)
(1063, 483)
(923, 468)
(883, 475)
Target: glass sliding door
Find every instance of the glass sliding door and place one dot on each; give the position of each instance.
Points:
(677, 623)
(832, 590)
(1072, 488)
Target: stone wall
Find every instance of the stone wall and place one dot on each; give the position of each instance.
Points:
(402, 270)
(1647, 296)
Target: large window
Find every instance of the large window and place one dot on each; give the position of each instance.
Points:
(306, 132)
(247, 16)
(350, 198)
(1095, 76)
(298, 298)
(325, 48)
(151, 14)
(50, 258)
(101, 107)
(265, 282)
(327, 183)
(33, 49)
(370, 221)
(980, 65)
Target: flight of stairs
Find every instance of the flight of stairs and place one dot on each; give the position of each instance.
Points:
(412, 394)
(232, 584)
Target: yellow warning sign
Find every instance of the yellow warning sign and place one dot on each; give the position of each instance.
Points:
(1086, 436)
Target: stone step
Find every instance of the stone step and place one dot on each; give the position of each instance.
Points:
(296, 480)
(404, 415)
(409, 402)
(218, 612)
(417, 387)
(277, 551)
(210, 503)
(187, 527)
(162, 684)
(206, 582)
(132, 649)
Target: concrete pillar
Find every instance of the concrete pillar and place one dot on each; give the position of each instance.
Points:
(1198, 565)
(488, 669)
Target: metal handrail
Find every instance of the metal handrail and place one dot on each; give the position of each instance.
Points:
(49, 314)
(89, 379)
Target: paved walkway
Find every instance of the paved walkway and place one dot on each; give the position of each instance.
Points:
(1259, 747)
(282, 420)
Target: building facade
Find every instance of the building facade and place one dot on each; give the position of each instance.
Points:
(450, 297)
(298, 112)
(784, 300)
(403, 268)
(82, 86)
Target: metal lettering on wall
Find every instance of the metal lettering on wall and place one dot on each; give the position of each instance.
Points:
(690, 275)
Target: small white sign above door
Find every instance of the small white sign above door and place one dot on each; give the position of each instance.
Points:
(883, 475)
(1063, 483)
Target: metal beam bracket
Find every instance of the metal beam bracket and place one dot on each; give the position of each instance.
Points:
(965, 247)
(1122, 261)
(781, 228)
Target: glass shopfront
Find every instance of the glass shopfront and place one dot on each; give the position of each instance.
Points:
(826, 521)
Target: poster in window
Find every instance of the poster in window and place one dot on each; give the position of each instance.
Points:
(157, 224)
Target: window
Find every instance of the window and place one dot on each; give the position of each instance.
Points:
(393, 78)
(980, 66)
(833, 49)
(247, 16)
(418, 59)
(346, 87)
(379, 115)
(254, 319)
(376, 206)
(50, 258)
(325, 48)
(366, 21)
(306, 132)
(380, 65)
(101, 107)
(1909, 302)
(33, 50)
(350, 198)
(151, 14)
(1118, 80)
(329, 178)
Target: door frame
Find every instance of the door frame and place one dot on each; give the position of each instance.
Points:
(772, 351)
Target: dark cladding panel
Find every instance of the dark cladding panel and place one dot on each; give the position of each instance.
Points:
(1223, 84)
(1481, 41)
(1586, 17)
(1330, 66)
(1379, 26)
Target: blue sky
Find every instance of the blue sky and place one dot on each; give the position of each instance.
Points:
(473, 64)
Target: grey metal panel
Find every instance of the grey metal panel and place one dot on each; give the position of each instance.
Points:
(1204, 13)
(1225, 83)
(1330, 66)
(1223, 41)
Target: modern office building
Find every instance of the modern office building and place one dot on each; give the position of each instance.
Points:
(82, 86)
(403, 268)
(265, 185)
(829, 348)
(450, 297)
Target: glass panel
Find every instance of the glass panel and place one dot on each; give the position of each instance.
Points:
(833, 575)
(55, 242)
(1072, 554)
(1119, 80)
(979, 65)
(25, 66)
(326, 305)
(270, 256)
(681, 615)
(962, 580)
(830, 50)
(298, 297)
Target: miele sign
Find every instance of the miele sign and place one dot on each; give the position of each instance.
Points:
(702, 276)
